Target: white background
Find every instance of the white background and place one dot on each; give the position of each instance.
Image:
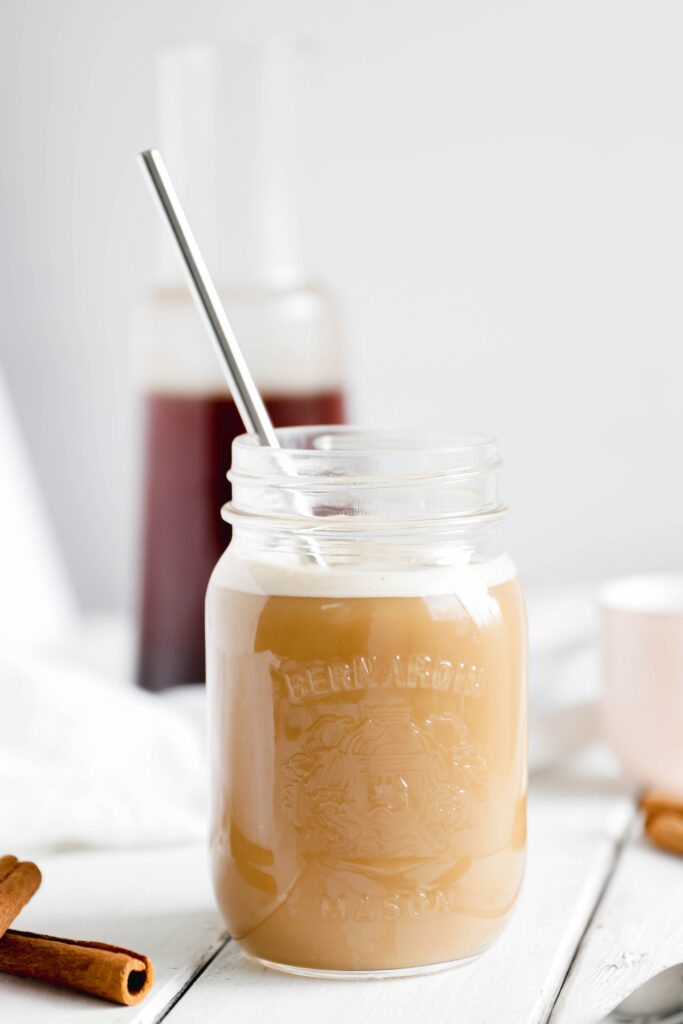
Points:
(499, 202)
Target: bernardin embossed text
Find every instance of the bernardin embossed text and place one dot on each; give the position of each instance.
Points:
(304, 680)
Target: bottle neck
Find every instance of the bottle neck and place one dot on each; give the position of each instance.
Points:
(230, 118)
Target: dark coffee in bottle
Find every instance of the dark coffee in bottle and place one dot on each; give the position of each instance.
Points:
(188, 445)
(238, 171)
(291, 338)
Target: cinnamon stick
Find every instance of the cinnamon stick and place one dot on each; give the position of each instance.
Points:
(664, 820)
(666, 830)
(109, 972)
(19, 880)
(6, 864)
(655, 800)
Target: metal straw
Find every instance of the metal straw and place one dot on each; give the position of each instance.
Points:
(240, 381)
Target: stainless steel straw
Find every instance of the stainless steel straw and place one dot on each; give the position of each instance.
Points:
(240, 381)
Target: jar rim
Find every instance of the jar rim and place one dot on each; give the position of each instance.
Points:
(347, 441)
(350, 473)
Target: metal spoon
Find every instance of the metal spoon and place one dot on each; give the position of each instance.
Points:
(657, 1001)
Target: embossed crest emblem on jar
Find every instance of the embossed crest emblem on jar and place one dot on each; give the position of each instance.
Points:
(368, 706)
(363, 780)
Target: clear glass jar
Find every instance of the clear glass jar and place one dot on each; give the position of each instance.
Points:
(366, 645)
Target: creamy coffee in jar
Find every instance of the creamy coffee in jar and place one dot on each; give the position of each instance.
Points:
(366, 640)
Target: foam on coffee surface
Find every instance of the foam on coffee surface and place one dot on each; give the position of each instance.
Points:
(287, 574)
(291, 576)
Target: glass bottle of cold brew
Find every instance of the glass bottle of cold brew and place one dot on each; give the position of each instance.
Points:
(228, 131)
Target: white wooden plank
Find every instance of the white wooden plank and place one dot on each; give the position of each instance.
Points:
(574, 832)
(636, 932)
(157, 902)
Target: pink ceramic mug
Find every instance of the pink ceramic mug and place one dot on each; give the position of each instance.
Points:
(642, 669)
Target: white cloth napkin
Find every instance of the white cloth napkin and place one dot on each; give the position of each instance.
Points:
(84, 762)
(37, 602)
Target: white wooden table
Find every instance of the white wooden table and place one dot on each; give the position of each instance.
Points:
(600, 912)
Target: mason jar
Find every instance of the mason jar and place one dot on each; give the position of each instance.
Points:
(366, 665)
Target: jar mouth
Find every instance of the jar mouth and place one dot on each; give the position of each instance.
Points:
(349, 471)
(352, 439)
